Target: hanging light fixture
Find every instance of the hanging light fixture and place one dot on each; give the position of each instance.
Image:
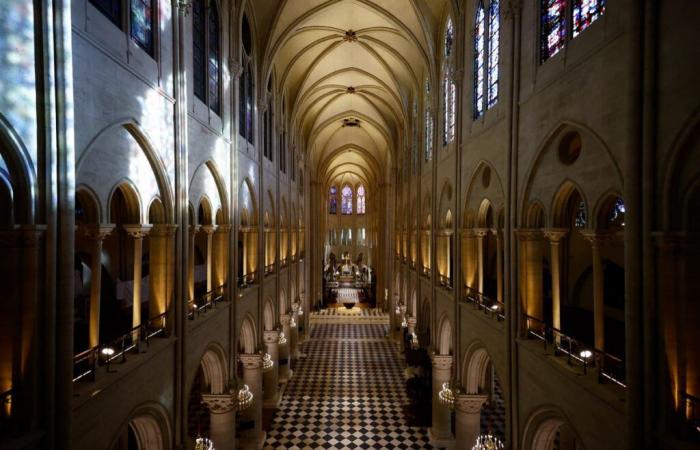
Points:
(447, 396)
(245, 398)
(414, 341)
(488, 442)
(267, 362)
(282, 339)
(203, 444)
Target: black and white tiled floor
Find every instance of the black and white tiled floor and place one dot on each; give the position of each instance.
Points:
(347, 393)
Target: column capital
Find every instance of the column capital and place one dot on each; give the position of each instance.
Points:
(209, 229)
(529, 234)
(512, 8)
(442, 361)
(251, 362)
(481, 232)
(235, 67)
(21, 236)
(224, 228)
(470, 403)
(599, 238)
(96, 232)
(271, 336)
(411, 321)
(219, 403)
(163, 230)
(468, 232)
(285, 319)
(194, 229)
(556, 234)
(138, 231)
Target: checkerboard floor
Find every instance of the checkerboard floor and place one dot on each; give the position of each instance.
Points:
(347, 393)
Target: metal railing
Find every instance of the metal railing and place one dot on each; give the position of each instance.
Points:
(445, 281)
(206, 302)
(607, 367)
(490, 306)
(283, 262)
(269, 269)
(85, 363)
(248, 279)
(425, 272)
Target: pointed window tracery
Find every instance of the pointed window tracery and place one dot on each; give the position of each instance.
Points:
(333, 200)
(346, 205)
(361, 199)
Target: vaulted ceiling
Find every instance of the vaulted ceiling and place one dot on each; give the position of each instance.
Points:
(349, 70)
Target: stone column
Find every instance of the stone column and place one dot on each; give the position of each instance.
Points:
(209, 231)
(252, 376)
(499, 265)
(222, 419)
(555, 237)
(293, 338)
(440, 433)
(138, 232)
(284, 372)
(271, 377)
(480, 233)
(598, 240)
(531, 273)
(469, 261)
(96, 234)
(468, 418)
(221, 251)
(190, 261)
(161, 276)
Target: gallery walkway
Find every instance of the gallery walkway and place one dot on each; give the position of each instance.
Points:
(348, 392)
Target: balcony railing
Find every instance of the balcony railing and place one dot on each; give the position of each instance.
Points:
(205, 302)
(85, 363)
(269, 269)
(587, 358)
(491, 307)
(445, 281)
(425, 271)
(283, 262)
(247, 279)
(692, 414)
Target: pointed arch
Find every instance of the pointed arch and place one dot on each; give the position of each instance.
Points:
(21, 171)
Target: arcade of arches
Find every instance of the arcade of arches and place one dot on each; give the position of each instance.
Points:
(349, 224)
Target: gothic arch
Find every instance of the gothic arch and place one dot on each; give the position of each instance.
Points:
(543, 430)
(150, 425)
(247, 336)
(214, 368)
(474, 369)
(445, 337)
(21, 172)
(268, 315)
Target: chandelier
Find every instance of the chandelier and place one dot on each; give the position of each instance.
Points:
(282, 339)
(488, 442)
(414, 340)
(245, 399)
(203, 444)
(447, 396)
(267, 362)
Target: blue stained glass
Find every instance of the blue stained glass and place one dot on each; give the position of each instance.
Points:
(214, 58)
(585, 12)
(617, 213)
(449, 38)
(494, 51)
(142, 24)
(346, 206)
(333, 201)
(479, 59)
(552, 28)
(581, 216)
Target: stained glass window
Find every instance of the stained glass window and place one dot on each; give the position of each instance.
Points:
(494, 51)
(449, 38)
(479, 59)
(415, 145)
(110, 8)
(214, 57)
(333, 200)
(142, 24)
(199, 49)
(616, 217)
(246, 86)
(585, 12)
(361, 199)
(552, 27)
(346, 206)
(581, 216)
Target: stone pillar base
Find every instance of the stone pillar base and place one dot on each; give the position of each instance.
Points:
(447, 442)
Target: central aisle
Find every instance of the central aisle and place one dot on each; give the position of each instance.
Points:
(348, 392)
